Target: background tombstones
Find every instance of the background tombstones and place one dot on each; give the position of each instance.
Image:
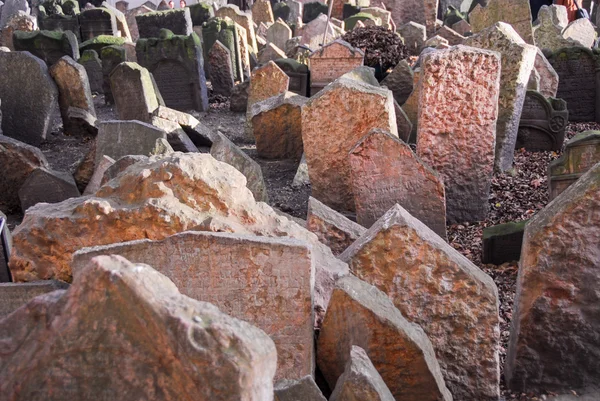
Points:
(177, 21)
(331, 62)
(93, 67)
(50, 46)
(543, 123)
(299, 75)
(96, 22)
(223, 30)
(133, 91)
(220, 69)
(49, 186)
(517, 13)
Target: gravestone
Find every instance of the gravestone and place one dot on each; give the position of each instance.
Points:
(581, 153)
(29, 97)
(548, 34)
(262, 12)
(98, 43)
(274, 293)
(517, 60)
(578, 72)
(548, 76)
(400, 81)
(15, 295)
(200, 13)
(462, 27)
(313, 32)
(385, 172)
(516, 13)
(582, 31)
(121, 138)
(133, 91)
(48, 46)
(177, 21)
(18, 22)
(411, 107)
(177, 64)
(553, 340)
(93, 67)
(543, 123)
(296, 10)
(59, 22)
(304, 389)
(220, 69)
(122, 27)
(460, 146)
(267, 81)
(242, 18)
(331, 62)
(502, 242)
(384, 15)
(96, 22)
(132, 23)
(111, 56)
(48, 186)
(279, 33)
(244, 51)
(454, 38)
(333, 121)
(417, 269)
(270, 53)
(299, 76)
(414, 36)
(223, 30)
(312, 10)
(422, 12)
(366, 19)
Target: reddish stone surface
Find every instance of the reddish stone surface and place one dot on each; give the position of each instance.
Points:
(267, 81)
(332, 61)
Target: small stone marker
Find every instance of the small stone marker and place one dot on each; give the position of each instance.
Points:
(15, 295)
(502, 242)
(304, 389)
(93, 67)
(543, 123)
(516, 13)
(279, 33)
(48, 186)
(553, 340)
(359, 314)
(177, 21)
(460, 147)
(400, 81)
(392, 255)
(331, 62)
(104, 318)
(231, 271)
(133, 90)
(220, 69)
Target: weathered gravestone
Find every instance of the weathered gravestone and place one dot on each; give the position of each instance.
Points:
(516, 13)
(18, 22)
(224, 30)
(48, 186)
(502, 242)
(385, 172)
(517, 62)
(279, 33)
(126, 325)
(548, 33)
(267, 81)
(331, 62)
(120, 138)
(177, 21)
(262, 12)
(269, 52)
(177, 64)
(111, 56)
(244, 19)
(132, 23)
(581, 153)
(578, 70)
(200, 13)
(15, 295)
(269, 284)
(456, 137)
(220, 69)
(581, 31)
(333, 121)
(122, 26)
(400, 81)
(60, 22)
(411, 264)
(554, 343)
(365, 18)
(12, 8)
(98, 43)
(543, 123)
(96, 22)
(299, 76)
(29, 97)
(422, 12)
(93, 67)
(133, 91)
(47, 45)
(414, 36)
(548, 77)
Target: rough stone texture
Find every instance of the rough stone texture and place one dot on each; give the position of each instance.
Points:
(423, 12)
(333, 121)
(304, 389)
(414, 35)
(29, 97)
(461, 27)
(548, 76)
(220, 69)
(359, 314)
(313, 32)
(517, 62)
(360, 380)
(270, 53)
(331, 62)
(436, 287)
(17, 161)
(437, 42)
(400, 82)
(457, 137)
(131, 21)
(177, 21)
(239, 97)
(548, 34)
(543, 123)
(20, 21)
(262, 12)
(197, 131)
(244, 19)
(49, 46)
(81, 122)
(333, 229)
(279, 33)
(277, 126)
(152, 199)
(385, 172)
(95, 181)
(582, 31)
(45, 185)
(454, 38)
(11, 8)
(121, 165)
(93, 68)
(267, 81)
(120, 138)
(130, 331)
(516, 13)
(133, 91)
(269, 284)
(15, 295)
(554, 341)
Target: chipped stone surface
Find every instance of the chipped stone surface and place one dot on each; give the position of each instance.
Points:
(516, 13)
(548, 34)
(133, 92)
(267, 81)
(118, 138)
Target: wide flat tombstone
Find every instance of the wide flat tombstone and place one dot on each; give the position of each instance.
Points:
(279, 33)
(516, 13)
(578, 70)
(554, 343)
(385, 172)
(177, 21)
(133, 92)
(262, 12)
(48, 45)
(267, 282)
(333, 121)
(121, 138)
(436, 287)
(457, 137)
(29, 97)
(543, 123)
(93, 67)
(48, 186)
(331, 62)
(15, 295)
(518, 59)
(220, 69)
(96, 22)
(423, 12)
(177, 64)
(581, 153)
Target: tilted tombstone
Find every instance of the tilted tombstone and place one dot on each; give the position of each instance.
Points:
(122, 26)
(200, 13)
(414, 36)
(121, 138)
(96, 22)
(132, 23)
(244, 50)
(543, 123)
(269, 52)
(133, 91)
(400, 81)
(331, 62)
(548, 76)
(177, 64)
(48, 186)
(582, 31)
(460, 146)
(177, 21)
(299, 75)
(93, 67)
(262, 12)
(112, 56)
(267, 81)
(242, 18)
(279, 33)
(516, 13)
(220, 69)
(581, 153)
(578, 71)
(223, 30)
(548, 33)
(50, 46)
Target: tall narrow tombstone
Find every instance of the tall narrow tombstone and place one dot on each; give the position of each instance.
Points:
(554, 342)
(177, 21)
(48, 186)
(93, 68)
(121, 138)
(220, 69)
(457, 137)
(50, 46)
(411, 106)
(516, 13)
(279, 33)
(96, 22)
(262, 12)
(518, 59)
(331, 62)
(132, 88)
(223, 30)
(543, 123)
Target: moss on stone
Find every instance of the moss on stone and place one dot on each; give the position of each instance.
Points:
(103, 39)
(88, 55)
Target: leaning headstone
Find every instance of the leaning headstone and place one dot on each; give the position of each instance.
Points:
(96, 22)
(132, 23)
(548, 76)
(48, 186)
(502, 242)
(98, 43)
(11, 8)
(238, 100)
(93, 67)
(50, 46)
(122, 26)
(313, 32)
(516, 13)
(454, 38)
(177, 21)
(105, 317)
(422, 12)
(414, 36)
(95, 181)
(29, 97)
(462, 27)
(392, 255)
(284, 310)
(581, 153)
(517, 59)
(135, 98)
(582, 31)
(17, 161)
(301, 178)
(304, 389)
(220, 69)
(400, 81)
(331, 62)
(359, 314)
(385, 172)
(262, 12)
(411, 107)
(548, 33)
(279, 33)
(177, 64)
(15, 295)
(111, 56)
(543, 123)
(267, 81)
(460, 147)
(270, 53)
(554, 342)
